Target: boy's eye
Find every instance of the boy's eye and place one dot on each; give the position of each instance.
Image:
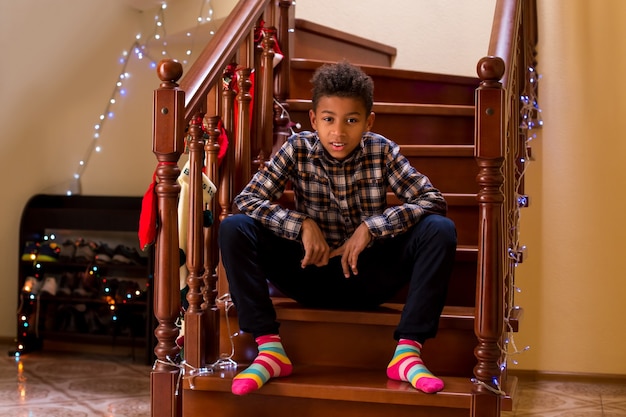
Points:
(327, 119)
(352, 120)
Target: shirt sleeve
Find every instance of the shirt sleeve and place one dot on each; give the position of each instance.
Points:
(258, 198)
(415, 192)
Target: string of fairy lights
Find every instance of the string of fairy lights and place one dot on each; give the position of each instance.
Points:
(139, 50)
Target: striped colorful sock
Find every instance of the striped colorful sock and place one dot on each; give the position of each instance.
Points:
(407, 365)
(271, 362)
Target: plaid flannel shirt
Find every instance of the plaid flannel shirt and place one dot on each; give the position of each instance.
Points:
(340, 195)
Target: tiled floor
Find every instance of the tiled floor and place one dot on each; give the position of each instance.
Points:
(567, 398)
(90, 385)
(73, 385)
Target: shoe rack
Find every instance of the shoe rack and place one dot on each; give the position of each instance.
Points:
(82, 278)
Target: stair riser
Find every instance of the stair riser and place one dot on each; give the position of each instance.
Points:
(395, 90)
(200, 403)
(415, 129)
(449, 174)
(358, 346)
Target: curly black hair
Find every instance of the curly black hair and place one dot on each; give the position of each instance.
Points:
(343, 79)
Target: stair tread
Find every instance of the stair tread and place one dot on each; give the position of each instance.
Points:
(381, 107)
(346, 384)
(386, 315)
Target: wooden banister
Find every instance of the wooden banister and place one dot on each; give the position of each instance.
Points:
(167, 145)
(500, 146)
(218, 53)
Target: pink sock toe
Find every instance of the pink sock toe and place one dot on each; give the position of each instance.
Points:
(429, 385)
(243, 386)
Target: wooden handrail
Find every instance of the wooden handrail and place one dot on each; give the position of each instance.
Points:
(209, 65)
(504, 32)
(500, 144)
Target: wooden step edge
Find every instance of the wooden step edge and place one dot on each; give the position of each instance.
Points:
(401, 108)
(424, 109)
(458, 151)
(344, 384)
(328, 32)
(452, 317)
(378, 71)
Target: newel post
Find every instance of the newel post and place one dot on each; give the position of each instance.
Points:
(167, 145)
(490, 155)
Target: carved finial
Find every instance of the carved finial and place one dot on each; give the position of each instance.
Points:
(490, 68)
(169, 71)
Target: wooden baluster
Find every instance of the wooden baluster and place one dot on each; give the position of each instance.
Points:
(194, 316)
(211, 251)
(281, 78)
(225, 190)
(243, 158)
(266, 95)
(167, 145)
(490, 150)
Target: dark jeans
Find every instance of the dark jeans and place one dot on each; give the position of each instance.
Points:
(422, 257)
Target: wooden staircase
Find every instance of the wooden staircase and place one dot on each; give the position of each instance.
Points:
(339, 356)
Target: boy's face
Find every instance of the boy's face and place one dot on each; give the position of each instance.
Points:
(340, 123)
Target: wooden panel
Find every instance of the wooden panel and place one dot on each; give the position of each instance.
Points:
(409, 124)
(394, 85)
(315, 41)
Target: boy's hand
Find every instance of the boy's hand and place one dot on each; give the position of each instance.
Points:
(351, 250)
(316, 249)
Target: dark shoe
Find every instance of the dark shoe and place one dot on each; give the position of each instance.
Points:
(68, 249)
(104, 254)
(85, 251)
(127, 255)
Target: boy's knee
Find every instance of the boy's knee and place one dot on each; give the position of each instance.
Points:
(440, 227)
(230, 227)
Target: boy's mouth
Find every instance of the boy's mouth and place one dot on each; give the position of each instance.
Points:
(337, 145)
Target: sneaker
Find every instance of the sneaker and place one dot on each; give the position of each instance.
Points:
(68, 249)
(50, 285)
(31, 285)
(48, 252)
(127, 255)
(30, 251)
(43, 252)
(85, 251)
(67, 283)
(104, 254)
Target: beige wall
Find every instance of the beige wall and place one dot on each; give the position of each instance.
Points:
(59, 72)
(573, 283)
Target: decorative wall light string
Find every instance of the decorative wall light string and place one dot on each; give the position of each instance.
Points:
(140, 51)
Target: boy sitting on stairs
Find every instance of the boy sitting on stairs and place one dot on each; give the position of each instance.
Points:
(342, 247)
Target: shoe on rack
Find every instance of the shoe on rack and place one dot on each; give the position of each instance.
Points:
(31, 285)
(31, 249)
(43, 252)
(90, 281)
(85, 251)
(127, 255)
(48, 252)
(104, 254)
(68, 249)
(67, 283)
(50, 284)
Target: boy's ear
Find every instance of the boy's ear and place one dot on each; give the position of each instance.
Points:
(312, 119)
(370, 121)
